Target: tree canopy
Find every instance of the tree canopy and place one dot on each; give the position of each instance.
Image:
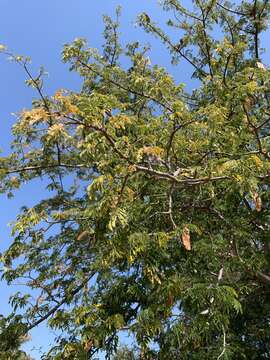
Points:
(158, 220)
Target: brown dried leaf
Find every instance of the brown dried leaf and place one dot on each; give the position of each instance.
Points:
(249, 103)
(83, 235)
(170, 300)
(258, 201)
(186, 238)
(88, 345)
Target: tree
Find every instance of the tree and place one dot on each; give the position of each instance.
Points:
(158, 219)
(12, 337)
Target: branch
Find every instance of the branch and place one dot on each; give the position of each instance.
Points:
(265, 279)
(256, 133)
(256, 32)
(226, 69)
(122, 190)
(56, 307)
(264, 122)
(208, 49)
(232, 11)
(38, 87)
(189, 181)
(160, 174)
(170, 207)
(101, 130)
(176, 49)
(176, 128)
(224, 344)
(127, 89)
(185, 12)
(42, 167)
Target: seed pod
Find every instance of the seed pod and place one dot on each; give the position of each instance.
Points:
(258, 201)
(83, 235)
(170, 300)
(249, 102)
(88, 345)
(186, 238)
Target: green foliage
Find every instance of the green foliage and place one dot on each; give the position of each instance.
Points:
(158, 219)
(12, 336)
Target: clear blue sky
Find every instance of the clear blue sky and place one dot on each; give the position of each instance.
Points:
(39, 29)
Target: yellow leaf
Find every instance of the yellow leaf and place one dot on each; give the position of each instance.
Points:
(153, 150)
(56, 129)
(120, 121)
(33, 116)
(257, 160)
(59, 95)
(132, 168)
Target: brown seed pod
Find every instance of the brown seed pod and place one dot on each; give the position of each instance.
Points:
(249, 102)
(83, 235)
(88, 345)
(170, 300)
(186, 238)
(258, 201)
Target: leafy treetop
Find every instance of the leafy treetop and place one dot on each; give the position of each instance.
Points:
(158, 219)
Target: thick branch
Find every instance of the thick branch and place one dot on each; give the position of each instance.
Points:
(265, 279)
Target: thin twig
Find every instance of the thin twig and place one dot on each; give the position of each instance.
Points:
(56, 307)
(235, 12)
(171, 206)
(224, 344)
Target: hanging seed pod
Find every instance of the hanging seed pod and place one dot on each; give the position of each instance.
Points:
(257, 201)
(83, 235)
(186, 238)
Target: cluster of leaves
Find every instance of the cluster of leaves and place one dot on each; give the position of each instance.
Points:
(158, 222)
(12, 336)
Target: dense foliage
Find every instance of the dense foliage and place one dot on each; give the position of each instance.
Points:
(157, 218)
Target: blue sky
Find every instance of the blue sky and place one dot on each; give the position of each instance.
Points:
(39, 29)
